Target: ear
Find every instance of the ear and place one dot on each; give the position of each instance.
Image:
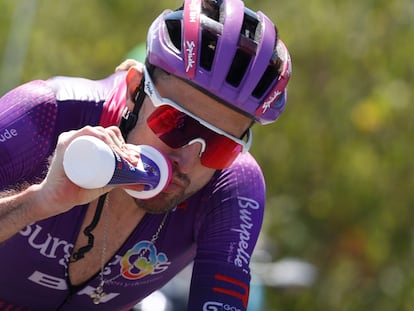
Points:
(133, 79)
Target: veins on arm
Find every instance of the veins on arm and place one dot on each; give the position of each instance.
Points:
(16, 211)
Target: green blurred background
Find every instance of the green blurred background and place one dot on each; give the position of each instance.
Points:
(338, 162)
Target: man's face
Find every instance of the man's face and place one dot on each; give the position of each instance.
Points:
(189, 175)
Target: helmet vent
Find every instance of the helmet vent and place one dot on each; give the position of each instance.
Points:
(238, 68)
(174, 31)
(250, 23)
(247, 48)
(208, 47)
(211, 8)
(272, 72)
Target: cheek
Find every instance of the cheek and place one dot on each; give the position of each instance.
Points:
(141, 134)
(199, 178)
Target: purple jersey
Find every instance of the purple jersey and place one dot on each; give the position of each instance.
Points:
(217, 228)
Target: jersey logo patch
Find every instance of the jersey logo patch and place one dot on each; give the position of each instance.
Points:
(142, 260)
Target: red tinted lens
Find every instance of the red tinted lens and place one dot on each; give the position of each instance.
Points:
(220, 154)
(172, 126)
(177, 129)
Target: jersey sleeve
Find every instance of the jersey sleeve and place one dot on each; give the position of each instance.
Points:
(226, 237)
(27, 119)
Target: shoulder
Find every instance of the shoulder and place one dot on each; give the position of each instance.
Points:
(82, 89)
(27, 120)
(36, 91)
(246, 164)
(229, 213)
(230, 189)
(33, 99)
(244, 175)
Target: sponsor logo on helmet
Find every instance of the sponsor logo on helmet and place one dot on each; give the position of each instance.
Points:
(194, 11)
(190, 55)
(270, 100)
(282, 81)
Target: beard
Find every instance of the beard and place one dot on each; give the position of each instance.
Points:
(167, 201)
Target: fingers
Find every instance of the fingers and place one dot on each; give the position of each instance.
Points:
(112, 136)
(117, 143)
(58, 190)
(128, 63)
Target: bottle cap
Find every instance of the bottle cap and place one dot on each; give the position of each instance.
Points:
(89, 162)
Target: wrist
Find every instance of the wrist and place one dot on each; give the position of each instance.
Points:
(43, 202)
(32, 203)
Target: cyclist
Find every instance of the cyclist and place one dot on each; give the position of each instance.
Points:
(213, 69)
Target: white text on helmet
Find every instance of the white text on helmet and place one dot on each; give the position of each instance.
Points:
(269, 102)
(190, 54)
(194, 5)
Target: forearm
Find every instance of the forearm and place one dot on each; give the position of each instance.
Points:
(56, 194)
(17, 210)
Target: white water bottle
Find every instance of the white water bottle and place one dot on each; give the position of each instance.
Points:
(90, 163)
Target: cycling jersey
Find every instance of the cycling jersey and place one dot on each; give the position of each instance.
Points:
(216, 229)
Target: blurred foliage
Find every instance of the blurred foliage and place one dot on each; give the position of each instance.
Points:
(338, 162)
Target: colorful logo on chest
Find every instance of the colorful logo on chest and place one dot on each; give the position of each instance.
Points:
(142, 260)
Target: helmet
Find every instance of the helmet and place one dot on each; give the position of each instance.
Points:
(225, 50)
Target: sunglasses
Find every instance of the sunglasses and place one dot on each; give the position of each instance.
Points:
(177, 128)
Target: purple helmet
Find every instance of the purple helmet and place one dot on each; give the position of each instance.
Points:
(227, 51)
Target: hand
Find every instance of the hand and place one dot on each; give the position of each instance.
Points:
(57, 193)
(128, 63)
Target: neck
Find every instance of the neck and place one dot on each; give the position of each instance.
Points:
(119, 218)
(122, 205)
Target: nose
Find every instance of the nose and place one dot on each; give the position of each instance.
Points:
(188, 156)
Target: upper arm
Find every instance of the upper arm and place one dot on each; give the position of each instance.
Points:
(27, 121)
(227, 237)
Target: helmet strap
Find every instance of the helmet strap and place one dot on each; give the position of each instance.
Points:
(130, 118)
